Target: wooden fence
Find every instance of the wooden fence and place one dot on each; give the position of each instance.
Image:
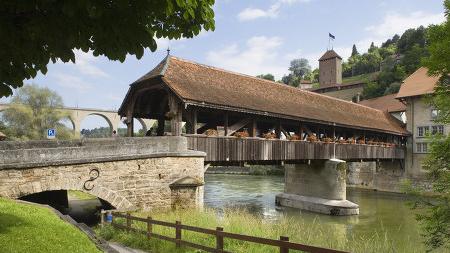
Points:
(282, 244)
(232, 149)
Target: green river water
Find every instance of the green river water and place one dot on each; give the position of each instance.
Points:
(384, 213)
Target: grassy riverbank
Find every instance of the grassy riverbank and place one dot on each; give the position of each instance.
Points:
(318, 234)
(30, 228)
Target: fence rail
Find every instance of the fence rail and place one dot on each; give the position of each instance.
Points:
(283, 243)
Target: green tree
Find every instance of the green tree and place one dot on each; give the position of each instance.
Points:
(313, 76)
(410, 38)
(300, 68)
(354, 50)
(412, 58)
(434, 214)
(35, 32)
(372, 48)
(32, 111)
(267, 77)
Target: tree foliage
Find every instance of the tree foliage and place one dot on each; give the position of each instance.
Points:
(354, 51)
(299, 69)
(35, 32)
(32, 111)
(434, 213)
(267, 76)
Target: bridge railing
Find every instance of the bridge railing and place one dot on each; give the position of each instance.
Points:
(283, 243)
(232, 149)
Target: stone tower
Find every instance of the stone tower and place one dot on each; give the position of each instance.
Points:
(330, 69)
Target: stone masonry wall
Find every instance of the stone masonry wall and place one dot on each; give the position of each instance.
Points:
(140, 183)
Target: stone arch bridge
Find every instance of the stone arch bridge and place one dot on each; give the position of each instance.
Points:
(128, 173)
(77, 115)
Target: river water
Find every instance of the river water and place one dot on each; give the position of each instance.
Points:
(380, 212)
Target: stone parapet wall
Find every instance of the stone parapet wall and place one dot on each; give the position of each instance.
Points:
(44, 153)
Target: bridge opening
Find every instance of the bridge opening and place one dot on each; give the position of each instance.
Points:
(68, 123)
(96, 126)
(81, 206)
(139, 128)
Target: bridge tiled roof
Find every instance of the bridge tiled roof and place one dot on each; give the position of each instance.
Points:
(208, 86)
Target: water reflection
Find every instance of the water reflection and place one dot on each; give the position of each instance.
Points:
(380, 212)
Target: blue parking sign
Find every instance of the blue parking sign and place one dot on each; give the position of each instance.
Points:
(51, 133)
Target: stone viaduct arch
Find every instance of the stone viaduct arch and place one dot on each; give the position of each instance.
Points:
(77, 115)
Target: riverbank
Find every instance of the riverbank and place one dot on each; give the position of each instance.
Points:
(31, 228)
(240, 221)
(256, 170)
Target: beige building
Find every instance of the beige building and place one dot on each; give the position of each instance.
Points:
(420, 118)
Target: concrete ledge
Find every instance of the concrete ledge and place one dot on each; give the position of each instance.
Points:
(318, 205)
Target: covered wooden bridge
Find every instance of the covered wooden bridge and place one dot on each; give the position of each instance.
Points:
(239, 118)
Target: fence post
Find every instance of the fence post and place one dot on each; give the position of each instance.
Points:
(102, 217)
(284, 249)
(219, 239)
(149, 227)
(178, 233)
(128, 222)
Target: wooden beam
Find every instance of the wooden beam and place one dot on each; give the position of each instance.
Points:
(160, 130)
(225, 123)
(238, 125)
(191, 121)
(253, 128)
(278, 130)
(286, 133)
(175, 115)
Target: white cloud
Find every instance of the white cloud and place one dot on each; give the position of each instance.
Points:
(252, 13)
(395, 23)
(72, 82)
(85, 63)
(272, 12)
(259, 56)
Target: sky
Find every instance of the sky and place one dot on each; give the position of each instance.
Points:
(251, 37)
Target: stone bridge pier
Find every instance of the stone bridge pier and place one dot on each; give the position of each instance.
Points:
(319, 186)
(128, 173)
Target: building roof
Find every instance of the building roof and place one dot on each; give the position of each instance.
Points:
(385, 103)
(203, 85)
(329, 55)
(417, 84)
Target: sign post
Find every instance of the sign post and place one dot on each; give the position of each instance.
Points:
(51, 133)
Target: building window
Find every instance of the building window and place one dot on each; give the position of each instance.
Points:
(420, 132)
(423, 131)
(437, 130)
(422, 147)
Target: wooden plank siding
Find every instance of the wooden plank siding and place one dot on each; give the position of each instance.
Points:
(232, 149)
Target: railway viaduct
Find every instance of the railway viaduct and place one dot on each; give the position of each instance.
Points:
(77, 115)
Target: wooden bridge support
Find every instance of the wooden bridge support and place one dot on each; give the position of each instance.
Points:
(319, 186)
